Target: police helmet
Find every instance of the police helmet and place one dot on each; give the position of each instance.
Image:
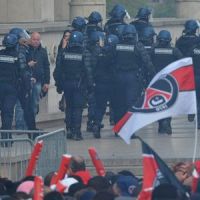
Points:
(112, 40)
(76, 39)
(118, 12)
(10, 40)
(95, 17)
(164, 36)
(147, 34)
(129, 32)
(20, 33)
(79, 23)
(143, 13)
(190, 26)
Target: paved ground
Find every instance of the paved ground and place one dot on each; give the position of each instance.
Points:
(179, 145)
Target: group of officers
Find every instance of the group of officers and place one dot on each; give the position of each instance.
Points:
(112, 64)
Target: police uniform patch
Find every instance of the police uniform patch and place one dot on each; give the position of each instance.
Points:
(163, 51)
(8, 59)
(122, 47)
(73, 56)
(196, 51)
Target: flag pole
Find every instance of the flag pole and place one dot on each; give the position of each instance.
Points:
(195, 137)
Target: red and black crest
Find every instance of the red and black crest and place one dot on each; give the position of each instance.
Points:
(159, 96)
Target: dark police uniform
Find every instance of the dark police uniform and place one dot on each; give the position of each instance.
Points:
(130, 58)
(72, 74)
(9, 75)
(161, 57)
(103, 76)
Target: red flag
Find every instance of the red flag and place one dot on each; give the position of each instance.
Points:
(34, 157)
(64, 166)
(196, 176)
(166, 96)
(38, 188)
(156, 172)
(98, 164)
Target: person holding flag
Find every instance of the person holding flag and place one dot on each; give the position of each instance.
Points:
(163, 54)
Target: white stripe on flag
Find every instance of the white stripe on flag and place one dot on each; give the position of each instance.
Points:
(185, 104)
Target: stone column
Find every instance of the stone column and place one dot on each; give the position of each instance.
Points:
(188, 9)
(62, 10)
(12, 11)
(84, 8)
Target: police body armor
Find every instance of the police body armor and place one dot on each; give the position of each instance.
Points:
(126, 57)
(140, 25)
(92, 27)
(148, 49)
(111, 27)
(196, 60)
(103, 67)
(8, 66)
(162, 57)
(72, 65)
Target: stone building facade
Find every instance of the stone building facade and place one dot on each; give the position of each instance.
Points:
(52, 17)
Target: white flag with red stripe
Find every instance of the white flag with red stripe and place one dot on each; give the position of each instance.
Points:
(170, 93)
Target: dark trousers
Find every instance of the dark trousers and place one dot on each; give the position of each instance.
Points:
(25, 98)
(103, 94)
(75, 99)
(8, 98)
(127, 89)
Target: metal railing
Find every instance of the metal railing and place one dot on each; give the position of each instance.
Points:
(15, 152)
(53, 149)
(14, 155)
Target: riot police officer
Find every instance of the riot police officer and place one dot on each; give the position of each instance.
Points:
(142, 20)
(147, 38)
(25, 89)
(117, 15)
(72, 75)
(130, 57)
(9, 77)
(79, 24)
(94, 22)
(162, 55)
(103, 54)
(186, 43)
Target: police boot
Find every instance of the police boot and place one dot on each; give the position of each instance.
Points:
(191, 117)
(96, 131)
(90, 125)
(77, 134)
(69, 134)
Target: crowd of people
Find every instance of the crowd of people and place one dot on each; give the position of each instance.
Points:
(95, 65)
(79, 184)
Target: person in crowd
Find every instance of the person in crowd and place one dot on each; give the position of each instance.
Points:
(116, 20)
(142, 20)
(189, 45)
(73, 76)
(77, 167)
(103, 54)
(9, 77)
(131, 58)
(162, 55)
(38, 63)
(62, 106)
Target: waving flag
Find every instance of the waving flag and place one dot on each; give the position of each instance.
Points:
(156, 172)
(170, 93)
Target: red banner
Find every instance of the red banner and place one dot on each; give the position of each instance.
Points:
(33, 159)
(98, 164)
